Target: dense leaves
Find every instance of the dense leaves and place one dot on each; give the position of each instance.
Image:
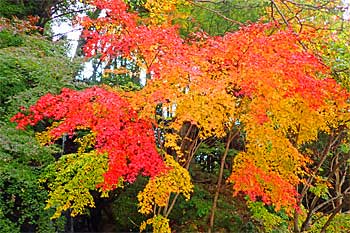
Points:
(116, 128)
(158, 190)
(71, 179)
(261, 78)
(22, 199)
(30, 66)
(260, 91)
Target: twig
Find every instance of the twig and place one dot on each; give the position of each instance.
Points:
(216, 12)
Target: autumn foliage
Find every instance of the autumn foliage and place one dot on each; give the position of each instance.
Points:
(112, 126)
(260, 81)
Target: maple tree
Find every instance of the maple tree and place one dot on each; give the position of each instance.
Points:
(329, 23)
(274, 86)
(259, 83)
(111, 127)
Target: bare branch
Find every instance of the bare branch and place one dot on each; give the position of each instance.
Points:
(280, 12)
(215, 12)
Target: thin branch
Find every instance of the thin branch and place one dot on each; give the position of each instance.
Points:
(318, 7)
(295, 16)
(216, 12)
(230, 137)
(64, 33)
(324, 156)
(172, 205)
(346, 192)
(68, 13)
(280, 12)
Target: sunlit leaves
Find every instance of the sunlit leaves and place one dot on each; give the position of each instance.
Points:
(111, 126)
(159, 224)
(158, 190)
(163, 10)
(212, 112)
(71, 179)
(271, 221)
(259, 78)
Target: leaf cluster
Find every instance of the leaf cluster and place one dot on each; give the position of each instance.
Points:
(30, 66)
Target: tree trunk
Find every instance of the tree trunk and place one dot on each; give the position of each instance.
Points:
(221, 172)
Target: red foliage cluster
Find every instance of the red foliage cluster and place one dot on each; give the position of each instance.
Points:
(120, 33)
(268, 186)
(128, 140)
(257, 58)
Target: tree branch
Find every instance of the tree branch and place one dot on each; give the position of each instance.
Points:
(216, 12)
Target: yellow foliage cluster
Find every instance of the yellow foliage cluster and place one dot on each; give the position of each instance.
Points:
(70, 180)
(86, 142)
(158, 190)
(163, 10)
(160, 224)
(45, 137)
(271, 151)
(212, 112)
(172, 141)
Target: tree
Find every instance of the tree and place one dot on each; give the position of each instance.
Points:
(259, 84)
(30, 66)
(329, 23)
(44, 10)
(273, 86)
(103, 123)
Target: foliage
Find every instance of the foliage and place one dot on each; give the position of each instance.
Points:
(339, 224)
(324, 193)
(158, 190)
(7, 225)
(8, 39)
(122, 74)
(160, 11)
(112, 123)
(159, 224)
(328, 21)
(272, 222)
(262, 84)
(9, 8)
(79, 173)
(260, 79)
(43, 11)
(199, 204)
(30, 66)
(71, 179)
(125, 206)
(208, 155)
(22, 200)
(219, 17)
